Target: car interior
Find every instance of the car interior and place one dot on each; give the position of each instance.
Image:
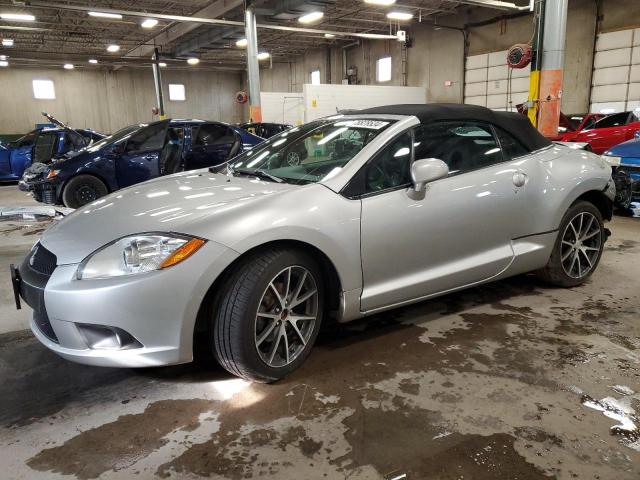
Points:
(171, 155)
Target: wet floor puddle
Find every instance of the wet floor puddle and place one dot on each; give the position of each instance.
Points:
(621, 411)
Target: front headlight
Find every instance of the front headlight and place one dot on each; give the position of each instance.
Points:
(612, 160)
(138, 254)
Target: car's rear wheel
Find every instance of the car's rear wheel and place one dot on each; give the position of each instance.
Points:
(268, 314)
(83, 189)
(578, 248)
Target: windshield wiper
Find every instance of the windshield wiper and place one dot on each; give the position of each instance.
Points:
(260, 174)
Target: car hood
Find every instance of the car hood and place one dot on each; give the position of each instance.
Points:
(177, 203)
(627, 149)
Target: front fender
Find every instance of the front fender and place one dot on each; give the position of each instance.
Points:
(312, 214)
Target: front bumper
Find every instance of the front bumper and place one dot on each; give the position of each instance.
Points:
(157, 310)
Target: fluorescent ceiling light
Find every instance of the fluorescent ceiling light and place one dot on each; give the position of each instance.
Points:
(162, 64)
(149, 23)
(4, 63)
(69, 66)
(399, 16)
(93, 60)
(241, 43)
(17, 17)
(116, 16)
(311, 17)
(329, 35)
(113, 48)
(263, 55)
(193, 61)
(380, 2)
(7, 42)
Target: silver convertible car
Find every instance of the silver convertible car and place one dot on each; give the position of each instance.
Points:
(376, 209)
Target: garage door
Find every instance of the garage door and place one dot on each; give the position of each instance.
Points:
(487, 82)
(616, 72)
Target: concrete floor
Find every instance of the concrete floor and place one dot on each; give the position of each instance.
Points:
(512, 380)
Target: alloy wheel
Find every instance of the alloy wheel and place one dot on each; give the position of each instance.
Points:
(286, 316)
(293, 159)
(581, 243)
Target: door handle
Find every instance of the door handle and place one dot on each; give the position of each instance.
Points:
(520, 179)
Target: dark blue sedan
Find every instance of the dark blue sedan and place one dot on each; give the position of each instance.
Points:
(40, 146)
(625, 161)
(135, 154)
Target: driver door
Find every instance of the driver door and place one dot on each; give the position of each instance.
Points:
(140, 160)
(457, 232)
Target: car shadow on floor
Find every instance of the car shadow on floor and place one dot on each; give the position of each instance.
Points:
(37, 383)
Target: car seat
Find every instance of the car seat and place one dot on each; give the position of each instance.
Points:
(170, 158)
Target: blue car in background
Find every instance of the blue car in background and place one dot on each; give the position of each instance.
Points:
(135, 154)
(41, 146)
(625, 162)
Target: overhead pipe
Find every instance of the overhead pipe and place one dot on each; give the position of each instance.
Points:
(206, 21)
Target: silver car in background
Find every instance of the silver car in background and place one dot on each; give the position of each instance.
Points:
(342, 217)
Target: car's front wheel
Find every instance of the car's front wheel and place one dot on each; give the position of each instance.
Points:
(578, 247)
(83, 189)
(268, 314)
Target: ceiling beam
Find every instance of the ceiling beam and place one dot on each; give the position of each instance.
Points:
(175, 31)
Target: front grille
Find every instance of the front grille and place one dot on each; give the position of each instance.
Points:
(42, 260)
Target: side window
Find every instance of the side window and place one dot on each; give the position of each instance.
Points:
(44, 147)
(148, 139)
(511, 148)
(73, 141)
(391, 167)
(463, 146)
(212, 134)
(614, 120)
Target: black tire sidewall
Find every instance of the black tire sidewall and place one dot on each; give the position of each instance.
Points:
(69, 194)
(248, 358)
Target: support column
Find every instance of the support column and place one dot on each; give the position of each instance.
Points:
(536, 63)
(157, 78)
(555, 34)
(253, 69)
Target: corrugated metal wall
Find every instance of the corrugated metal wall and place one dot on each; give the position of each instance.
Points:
(487, 82)
(616, 72)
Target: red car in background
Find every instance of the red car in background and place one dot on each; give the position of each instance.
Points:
(605, 132)
(575, 123)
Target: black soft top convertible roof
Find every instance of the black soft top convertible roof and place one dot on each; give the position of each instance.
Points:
(515, 123)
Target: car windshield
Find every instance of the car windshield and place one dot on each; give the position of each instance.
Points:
(120, 134)
(310, 153)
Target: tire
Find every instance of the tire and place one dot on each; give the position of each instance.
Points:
(83, 189)
(569, 266)
(240, 336)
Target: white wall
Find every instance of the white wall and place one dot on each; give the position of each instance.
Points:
(324, 100)
(106, 100)
(282, 107)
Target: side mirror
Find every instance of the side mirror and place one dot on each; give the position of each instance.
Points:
(427, 170)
